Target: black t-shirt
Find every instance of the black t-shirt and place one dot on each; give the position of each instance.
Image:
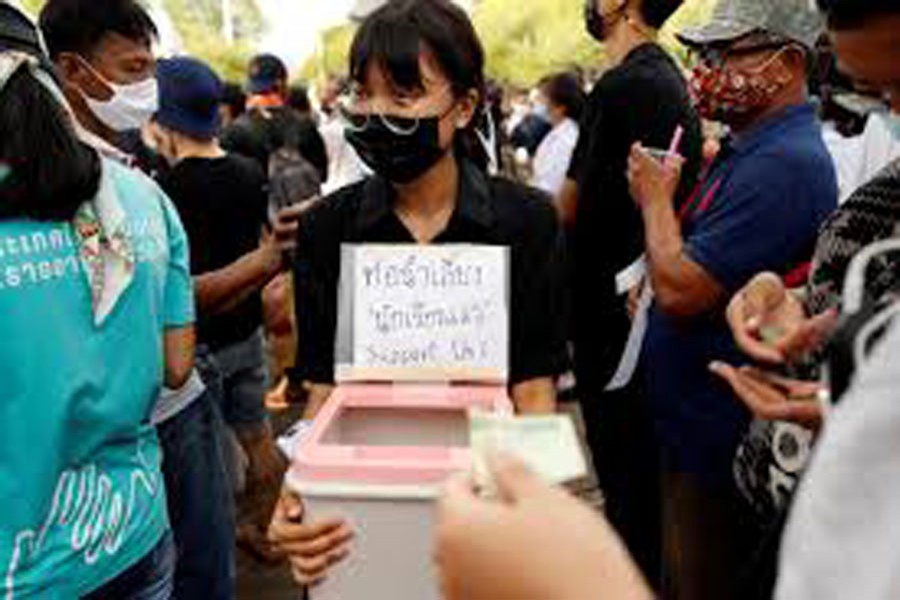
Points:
(489, 211)
(222, 203)
(260, 132)
(642, 100)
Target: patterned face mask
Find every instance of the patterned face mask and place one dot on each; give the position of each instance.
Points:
(723, 93)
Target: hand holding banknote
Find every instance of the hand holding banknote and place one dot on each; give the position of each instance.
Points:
(548, 444)
(532, 542)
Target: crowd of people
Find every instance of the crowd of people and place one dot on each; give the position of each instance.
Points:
(706, 249)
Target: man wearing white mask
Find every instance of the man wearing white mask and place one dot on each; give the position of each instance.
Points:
(103, 53)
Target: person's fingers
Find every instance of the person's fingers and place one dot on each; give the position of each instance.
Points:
(292, 506)
(320, 545)
(515, 481)
(743, 387)
(282, 228)
(807, 413)
(766, 401)
(295, 211)
(312, 578)
(675, 163)
(745, 315)
(312, 569)
(744, 330)
(810, 335)
(283, 531)
(794, 389)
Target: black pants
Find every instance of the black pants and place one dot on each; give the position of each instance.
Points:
(620, 433)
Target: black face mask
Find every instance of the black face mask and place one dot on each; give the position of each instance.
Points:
(597, 24)
(593, 22)
(398, 156)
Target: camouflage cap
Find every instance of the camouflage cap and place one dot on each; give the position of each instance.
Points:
(796, 20)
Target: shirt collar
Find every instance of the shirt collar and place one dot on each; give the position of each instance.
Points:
(266, 100)
(775, 125)
(473, 200)
(105, 149)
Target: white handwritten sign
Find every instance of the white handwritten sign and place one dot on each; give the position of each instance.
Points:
(423, 313)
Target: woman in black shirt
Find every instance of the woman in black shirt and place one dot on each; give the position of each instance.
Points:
(417, 69)
(412, 115)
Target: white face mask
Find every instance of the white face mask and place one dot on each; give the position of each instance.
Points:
(131, 106)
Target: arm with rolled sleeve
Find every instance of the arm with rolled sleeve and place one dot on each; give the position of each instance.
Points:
(761, 219)
(759, 223)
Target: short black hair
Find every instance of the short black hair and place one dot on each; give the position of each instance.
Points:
(393, 36)
(656, 12)
(79, 25)
(234, 98)
(846, 14)
(564, 89)
(298, 99)
(46, 173)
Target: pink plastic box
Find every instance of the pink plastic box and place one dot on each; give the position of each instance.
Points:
(377, 456)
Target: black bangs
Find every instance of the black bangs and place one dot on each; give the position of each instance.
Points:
(393, 48)
(394, 36)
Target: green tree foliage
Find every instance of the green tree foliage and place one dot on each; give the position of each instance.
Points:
(527, 39)
(33, 6)
(331, 57)
(199, 24)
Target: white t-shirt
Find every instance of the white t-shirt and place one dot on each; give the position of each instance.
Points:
(843, 536)
(858, 159)
(551, 162)
(345, 167)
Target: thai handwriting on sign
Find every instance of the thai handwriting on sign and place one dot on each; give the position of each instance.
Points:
(431, 307)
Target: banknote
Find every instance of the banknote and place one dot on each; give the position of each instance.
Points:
(548, 444)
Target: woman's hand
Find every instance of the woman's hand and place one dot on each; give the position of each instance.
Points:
(312, 548)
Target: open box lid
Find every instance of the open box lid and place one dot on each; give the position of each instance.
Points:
(423, 313)
(393, 435)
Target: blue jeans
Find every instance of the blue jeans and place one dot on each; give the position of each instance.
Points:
(201, 506)
(151, 578)
(243, 369)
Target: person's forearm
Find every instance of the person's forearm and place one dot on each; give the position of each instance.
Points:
(222, 290)
(318, 396)
(535, 397)
(566, 202)
(671, 272)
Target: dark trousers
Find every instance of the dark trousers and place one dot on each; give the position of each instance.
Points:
(201, 506)
(708, 539)
(621, 436)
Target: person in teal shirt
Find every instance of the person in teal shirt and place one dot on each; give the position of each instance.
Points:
(96, 316)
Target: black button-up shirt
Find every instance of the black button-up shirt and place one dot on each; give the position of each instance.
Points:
(488, 211)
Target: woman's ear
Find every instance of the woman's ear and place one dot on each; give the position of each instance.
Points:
(466, 107)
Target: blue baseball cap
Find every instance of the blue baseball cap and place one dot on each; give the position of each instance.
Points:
(189, 97)
(264, 73)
